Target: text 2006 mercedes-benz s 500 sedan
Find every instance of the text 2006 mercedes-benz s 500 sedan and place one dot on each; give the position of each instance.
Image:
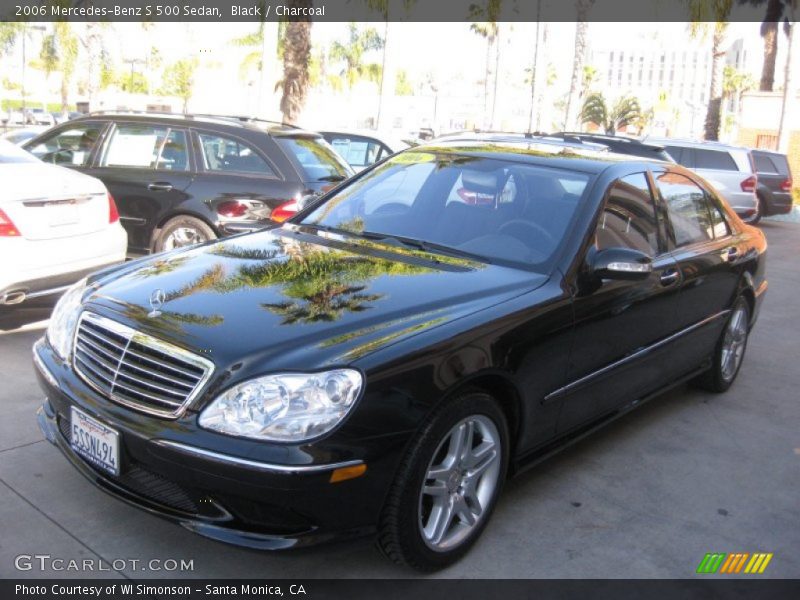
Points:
(383, 361)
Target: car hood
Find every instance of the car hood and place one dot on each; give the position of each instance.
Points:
(291, 299)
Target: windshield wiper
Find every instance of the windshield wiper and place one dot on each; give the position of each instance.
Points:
(332, 178)
(416, 244)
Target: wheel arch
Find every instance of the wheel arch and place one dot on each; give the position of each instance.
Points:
(500, 386)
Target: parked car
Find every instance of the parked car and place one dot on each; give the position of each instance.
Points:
(38, 116)
(56, 226)
(729, 169)
(184, 179)
(774, 189)
(386, 358)
(20, 136)
(620, 144)
(363, 148)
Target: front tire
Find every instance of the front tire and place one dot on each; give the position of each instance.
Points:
(729, 352)
(447, 484)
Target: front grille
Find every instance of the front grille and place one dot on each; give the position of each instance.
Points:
(135, 369)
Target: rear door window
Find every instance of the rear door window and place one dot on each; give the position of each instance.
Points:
(719, 160)
(358, 151)
(682, 156)
(228, 155)
(70, 146)
(315, 158)
(688, 208)
(143, 146)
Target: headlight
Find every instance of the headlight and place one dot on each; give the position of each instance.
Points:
(64, 319)
(286, 407)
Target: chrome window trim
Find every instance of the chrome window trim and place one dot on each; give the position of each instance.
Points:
(133, 335)
(254, 464)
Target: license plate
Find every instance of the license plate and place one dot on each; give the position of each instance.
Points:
(95, 442)
(62, 214)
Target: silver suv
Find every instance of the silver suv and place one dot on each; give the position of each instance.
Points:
(729, 169)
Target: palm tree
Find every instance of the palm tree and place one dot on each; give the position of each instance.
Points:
(296, 42)
(581, 30)
(59, 52)
(625, 112)
(351, 55)
(776, 11)
(489, 30)
(735, 83)
(701, 13)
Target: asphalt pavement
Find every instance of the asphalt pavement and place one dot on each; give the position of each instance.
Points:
(686, 474)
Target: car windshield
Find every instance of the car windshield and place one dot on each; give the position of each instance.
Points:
(489, 209)
(9, 153)
(316, 159)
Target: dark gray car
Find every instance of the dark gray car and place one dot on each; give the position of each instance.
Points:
(774, 189)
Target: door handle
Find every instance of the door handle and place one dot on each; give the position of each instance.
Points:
(670, 277)
(732, 253)
(159, 186)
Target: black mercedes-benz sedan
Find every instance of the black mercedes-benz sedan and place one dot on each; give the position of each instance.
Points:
(383, 361)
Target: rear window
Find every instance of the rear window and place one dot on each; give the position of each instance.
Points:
(316, 160)
(714, 159)
(771, 163)
(9, 153)
(678, 154)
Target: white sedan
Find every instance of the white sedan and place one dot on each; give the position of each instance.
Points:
(56, 225)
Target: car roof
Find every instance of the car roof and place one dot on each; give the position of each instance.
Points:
(766, 151)
(710, 145)
(501, 136)
(612, 139)
(243, 122)
(537, 152)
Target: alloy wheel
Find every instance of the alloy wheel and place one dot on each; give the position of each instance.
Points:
(461, 480)
(183, 236)
(733, 343)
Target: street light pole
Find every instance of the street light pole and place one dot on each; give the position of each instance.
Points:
(783, 135)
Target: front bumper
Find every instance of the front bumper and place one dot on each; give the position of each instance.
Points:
(241, 500)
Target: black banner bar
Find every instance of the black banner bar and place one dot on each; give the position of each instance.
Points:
(397, 589)
(369, 10)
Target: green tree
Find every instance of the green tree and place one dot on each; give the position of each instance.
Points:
(350, 55)
(625, 112)
(178, 80)
(712, 15)
(59, 53)
(402, 85)
(735, 83)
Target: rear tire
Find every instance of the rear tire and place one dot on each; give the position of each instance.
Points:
(183, 231)
(729, 352)
(447, 485)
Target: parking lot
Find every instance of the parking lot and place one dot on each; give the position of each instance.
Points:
(687, 474)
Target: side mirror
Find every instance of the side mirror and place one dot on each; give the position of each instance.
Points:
(621, 263)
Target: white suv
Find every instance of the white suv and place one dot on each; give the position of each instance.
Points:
(729, 169)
